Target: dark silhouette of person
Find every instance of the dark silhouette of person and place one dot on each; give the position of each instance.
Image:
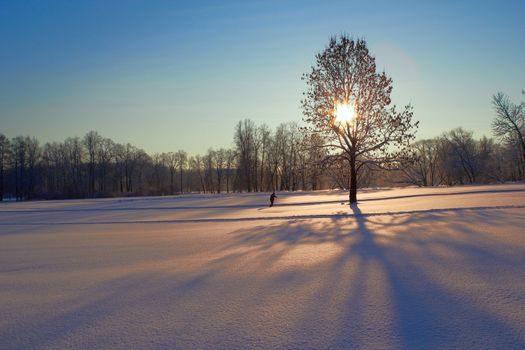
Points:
(272, 198)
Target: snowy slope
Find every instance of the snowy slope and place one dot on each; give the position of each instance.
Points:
(405, 268)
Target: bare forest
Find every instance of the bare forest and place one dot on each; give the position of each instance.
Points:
(288, 158)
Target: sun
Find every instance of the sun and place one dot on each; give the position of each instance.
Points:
(344, 112)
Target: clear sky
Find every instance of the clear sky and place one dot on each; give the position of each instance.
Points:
(169, 75)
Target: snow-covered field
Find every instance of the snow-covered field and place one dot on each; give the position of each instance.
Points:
(407, 268)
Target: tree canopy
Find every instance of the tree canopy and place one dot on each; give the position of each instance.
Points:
(378, 135)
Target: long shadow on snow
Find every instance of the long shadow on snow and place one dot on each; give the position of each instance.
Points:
(425, 311)
(340, 215)
(428, 311)
(246, 206)
(74, 314)
(442, 194)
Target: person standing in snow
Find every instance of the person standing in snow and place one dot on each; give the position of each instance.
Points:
(272, 198)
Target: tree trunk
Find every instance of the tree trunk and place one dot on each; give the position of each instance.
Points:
(353, 182)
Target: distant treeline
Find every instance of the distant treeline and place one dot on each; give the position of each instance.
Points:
(261, 159)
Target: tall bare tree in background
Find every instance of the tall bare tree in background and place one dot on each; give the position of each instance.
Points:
(4, 159)
(74, 155)
(104, 156)
(510, 120)
(231, 157)
(424, 170)
(170, 160)
(314, 155)
(92, 142)
(263, 140)
(219, 161)
(182, 159)
(33, 159)
(463, 153)
(245, 141)
(378, 136)
(19, 160)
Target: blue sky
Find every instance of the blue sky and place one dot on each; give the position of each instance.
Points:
(168, 75)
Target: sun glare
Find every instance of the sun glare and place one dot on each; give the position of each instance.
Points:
(344, 112)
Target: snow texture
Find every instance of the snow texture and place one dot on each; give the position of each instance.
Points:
(412, 268)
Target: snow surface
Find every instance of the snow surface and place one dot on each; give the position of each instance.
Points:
(435, 268)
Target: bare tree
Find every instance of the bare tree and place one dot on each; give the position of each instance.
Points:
(263, 144)
(510, 119)
(92, 142)
(54, 169)
(25, 156)
(423, 171)
(208, 162)
(463, 148)
(158, 172)
(170, 159)
(345, 75)
(33, 157)
(119, 152)
(104, 157)
(313, 164)
(196, 163)
(230, 162)
(485, 161)
(141, 161)
(74, 163)
(132, 162)
(245, 139)
(19, 152)
(219, 161)
(286, 147)
(182, 159)
(4, 159)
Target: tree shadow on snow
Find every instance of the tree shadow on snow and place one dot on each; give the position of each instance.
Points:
(399, 280)
(427, 279)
